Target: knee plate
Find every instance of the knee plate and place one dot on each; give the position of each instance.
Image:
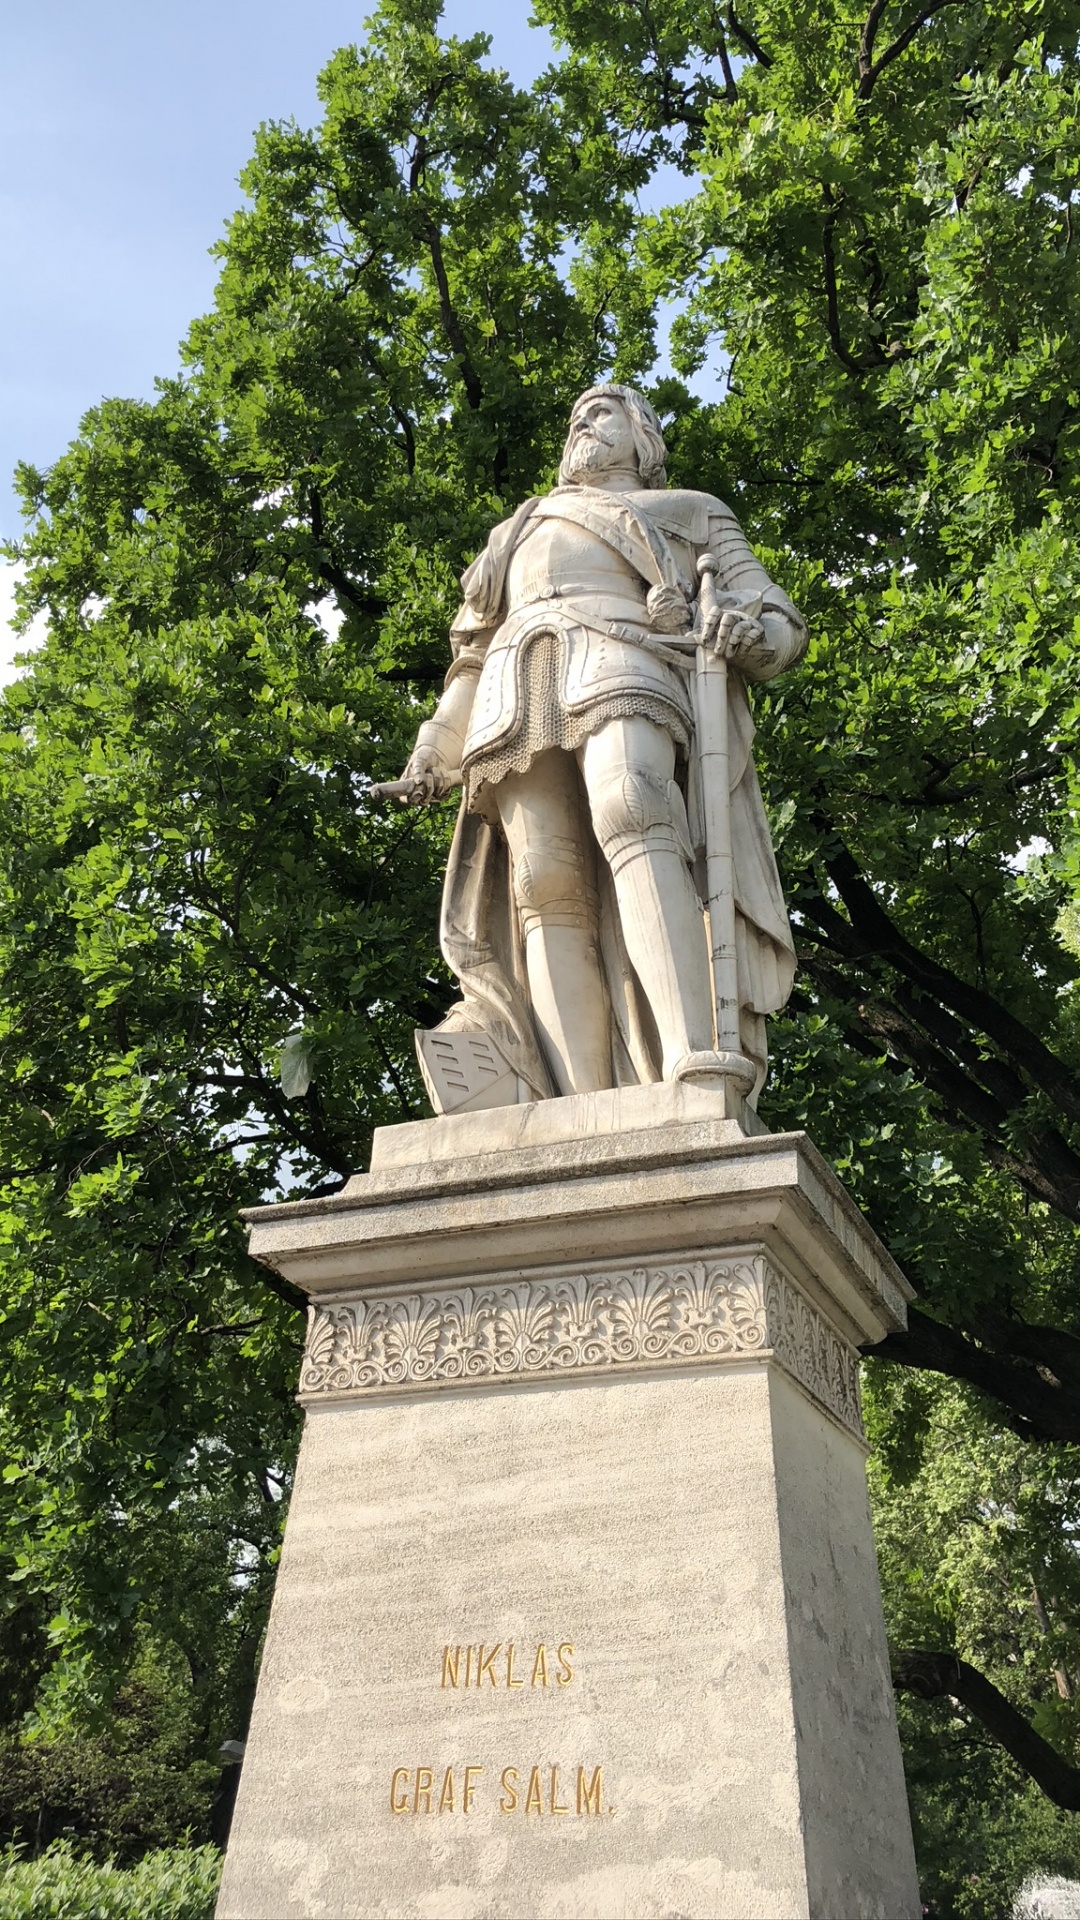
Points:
(550, 885)
(636, 812)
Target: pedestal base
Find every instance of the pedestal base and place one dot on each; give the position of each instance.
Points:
(578, 1609)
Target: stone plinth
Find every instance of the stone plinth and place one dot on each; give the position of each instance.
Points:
(578, 1610)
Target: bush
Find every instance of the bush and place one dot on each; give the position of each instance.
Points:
(137, 1778)
(102, 1795)
(179, 1883)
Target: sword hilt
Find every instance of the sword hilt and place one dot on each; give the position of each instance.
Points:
(709, 601)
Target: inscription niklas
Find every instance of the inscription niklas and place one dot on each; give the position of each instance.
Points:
(544, 1791)
(503, 1665)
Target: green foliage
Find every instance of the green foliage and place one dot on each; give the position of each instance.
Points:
(974, 1532)
(175, 1884)
(191, 880)
(137, 1781)
(981, 1828)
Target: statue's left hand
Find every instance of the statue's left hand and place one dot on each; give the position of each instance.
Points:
(736, 633)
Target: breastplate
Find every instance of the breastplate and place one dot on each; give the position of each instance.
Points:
(558, 561)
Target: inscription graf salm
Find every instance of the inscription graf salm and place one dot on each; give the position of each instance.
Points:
(543, 1790)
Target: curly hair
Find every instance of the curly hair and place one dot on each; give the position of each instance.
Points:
(644, 425)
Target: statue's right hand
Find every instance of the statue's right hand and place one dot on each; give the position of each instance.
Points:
(431, 778)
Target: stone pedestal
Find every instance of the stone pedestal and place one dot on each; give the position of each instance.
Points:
(578, 1611)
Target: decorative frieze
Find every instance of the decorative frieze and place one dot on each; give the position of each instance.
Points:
(675, 1314)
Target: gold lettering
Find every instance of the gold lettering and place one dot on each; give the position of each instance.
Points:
(451, 1662)
(468, 1664)
(540, 1678)
(470, 1789)
(424, 1781)
(396, 1805)
(485, 1664)
(534, 1799)
(509, 1786)
(589, 1797)
(446, 1797)
(554, 1803)
(510, 1681)
(566, 1671)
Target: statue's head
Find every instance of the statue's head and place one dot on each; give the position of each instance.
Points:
(613, 426)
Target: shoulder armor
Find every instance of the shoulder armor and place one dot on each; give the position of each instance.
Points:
(682, 512)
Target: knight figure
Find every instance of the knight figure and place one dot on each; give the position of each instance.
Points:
(573, 909)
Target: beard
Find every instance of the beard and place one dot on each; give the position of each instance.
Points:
(585, 454)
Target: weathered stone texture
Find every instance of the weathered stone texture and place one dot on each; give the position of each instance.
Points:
(654, 1463)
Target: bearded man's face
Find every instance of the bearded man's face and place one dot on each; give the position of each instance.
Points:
(600, 439)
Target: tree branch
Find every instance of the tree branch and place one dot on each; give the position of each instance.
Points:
(879, 936)
(403, 419)
(731, 91)
(451, 324)
(929, 1675)
(1037, 1407)
(284, 1289)
(452, 327)
(978, 1092)
(366, 603)
(870, 71)
(832, 298)
(746, 39)
(866, 41)
(389, 1066)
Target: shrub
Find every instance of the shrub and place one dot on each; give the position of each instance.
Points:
(179, 1883)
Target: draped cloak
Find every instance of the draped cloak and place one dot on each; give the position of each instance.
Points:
(660, 533)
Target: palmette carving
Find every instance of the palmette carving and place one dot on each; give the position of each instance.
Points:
(674, 1314)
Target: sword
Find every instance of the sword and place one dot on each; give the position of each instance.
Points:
(711, 717)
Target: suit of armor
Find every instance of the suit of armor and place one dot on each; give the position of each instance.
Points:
(568, 709)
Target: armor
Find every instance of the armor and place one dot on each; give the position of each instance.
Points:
(571, 914)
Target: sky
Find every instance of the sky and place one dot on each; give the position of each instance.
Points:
(123, 127)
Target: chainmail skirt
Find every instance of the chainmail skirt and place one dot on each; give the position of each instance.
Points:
(545, 722)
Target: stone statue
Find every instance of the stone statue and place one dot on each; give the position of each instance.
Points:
(573, 910)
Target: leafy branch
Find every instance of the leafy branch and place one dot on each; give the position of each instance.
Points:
(931, 1676)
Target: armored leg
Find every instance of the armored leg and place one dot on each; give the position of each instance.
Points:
(640, 823)
(541, 814)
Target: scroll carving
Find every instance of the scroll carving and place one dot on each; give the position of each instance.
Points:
(672, 1315)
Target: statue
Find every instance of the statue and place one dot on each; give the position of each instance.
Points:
(609, 794)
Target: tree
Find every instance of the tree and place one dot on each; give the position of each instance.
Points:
(248, 585)
(194, 890)
(882, 243)
(974, 1531)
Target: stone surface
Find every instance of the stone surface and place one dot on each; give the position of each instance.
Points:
(639, 1451)
(729, 1672)
(582, 1180)
(549, 1123)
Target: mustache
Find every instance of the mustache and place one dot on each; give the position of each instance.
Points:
(587, 432)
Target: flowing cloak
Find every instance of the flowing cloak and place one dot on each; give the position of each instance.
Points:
(660, 532)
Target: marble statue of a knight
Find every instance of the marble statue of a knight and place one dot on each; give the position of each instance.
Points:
(573, 904)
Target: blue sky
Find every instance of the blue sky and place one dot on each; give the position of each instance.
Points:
(123, 127)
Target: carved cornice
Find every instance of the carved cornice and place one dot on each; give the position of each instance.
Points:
(676, 1314)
